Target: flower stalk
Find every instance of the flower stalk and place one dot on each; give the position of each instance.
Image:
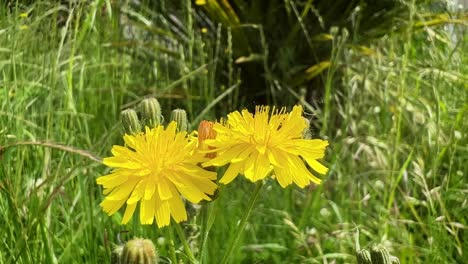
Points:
(240, 229)
(184, 241)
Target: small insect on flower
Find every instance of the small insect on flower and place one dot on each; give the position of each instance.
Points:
(155, 168)
(256, 145)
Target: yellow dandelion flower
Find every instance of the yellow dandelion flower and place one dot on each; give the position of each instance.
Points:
(154, 169)
(258, 144)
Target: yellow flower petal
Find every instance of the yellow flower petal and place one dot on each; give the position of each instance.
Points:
(147, 209)
(107, 191)
(247, 150)
(277, 157)
(111, 206)
(121, 151)
(112, 180)
(317, 166)
(122, 191)
(249, 166)
(262, 168)
(226, 156)
(206, 186)
(163, 216)
(128, 212)
(193, 195)
(130, 141)
(121, 162)
(283, 176)
(150, 189)
(177, 209)
(298, 171)
(164, 191)
(138, 192)
(314, 179)
(231, 173)
(196, 171)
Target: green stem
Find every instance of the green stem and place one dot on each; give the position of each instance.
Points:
(172, 253)
(183, 239)
(47, 144)
(235, 240)
(207, 218)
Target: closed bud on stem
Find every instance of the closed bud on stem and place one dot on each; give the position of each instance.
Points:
(139, 251)
(117, 254)
(150, 112)
(380, 255)
(363, 257)
(130, 121)
(180, 116)
(206, 131)
(394, 260)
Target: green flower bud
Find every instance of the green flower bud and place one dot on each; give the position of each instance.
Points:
(150, 112)
(180, 116)
(363, 257)
(394, 260)
(380, 255)
(117, 254)
(130, 121)
(139, 251)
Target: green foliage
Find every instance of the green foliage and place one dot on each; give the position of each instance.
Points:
(393, 107)
(286, 44)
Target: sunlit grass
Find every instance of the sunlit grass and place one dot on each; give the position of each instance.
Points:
(392, 109)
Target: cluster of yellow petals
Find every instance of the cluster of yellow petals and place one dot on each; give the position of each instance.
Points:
(154, 169)
(268, 141)
(160, 166)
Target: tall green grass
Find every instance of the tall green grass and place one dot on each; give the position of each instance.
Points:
(393, 110)
(399, 168)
